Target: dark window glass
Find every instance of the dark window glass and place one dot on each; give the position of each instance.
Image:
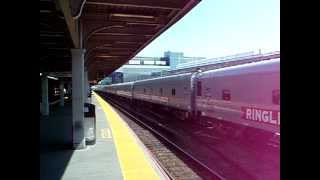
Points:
(199, 89)
(276, 97)
(173, 92)
(161, 91)
(226, 94)
(144, 90)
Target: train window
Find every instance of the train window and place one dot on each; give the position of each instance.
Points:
(161, 91)
(276, 97)
(199, 89)
(144, 90)
(226, 94)
(173, 92)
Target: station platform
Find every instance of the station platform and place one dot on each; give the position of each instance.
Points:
(117, 154)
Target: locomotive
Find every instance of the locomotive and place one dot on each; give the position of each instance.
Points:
(241, 102)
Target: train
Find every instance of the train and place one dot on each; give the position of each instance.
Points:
(241, 103)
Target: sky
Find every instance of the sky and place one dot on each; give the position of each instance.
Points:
(217, 28)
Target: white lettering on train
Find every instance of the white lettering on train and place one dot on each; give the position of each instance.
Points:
(248, 113)
(262, 115)
(272, 121)
(257, 114)
(265, 116)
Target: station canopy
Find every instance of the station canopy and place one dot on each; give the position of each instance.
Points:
(111, 31)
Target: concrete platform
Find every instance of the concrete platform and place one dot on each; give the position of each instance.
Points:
(117, 154)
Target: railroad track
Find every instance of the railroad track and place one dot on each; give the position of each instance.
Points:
(165, 158)
(185, 134)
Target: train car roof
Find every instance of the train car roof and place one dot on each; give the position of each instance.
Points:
(145, 80)
(164, 77)
(261, 66)
(121, 84)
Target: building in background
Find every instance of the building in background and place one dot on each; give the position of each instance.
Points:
(140, 71)
(117, 77)
(113, 78)
(159, 61)
(176, 58)
(139, 68)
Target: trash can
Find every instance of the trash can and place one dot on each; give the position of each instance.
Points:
(89, 92)
(89, 98)
(90, 123)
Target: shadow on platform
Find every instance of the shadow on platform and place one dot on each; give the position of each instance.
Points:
(55, 142)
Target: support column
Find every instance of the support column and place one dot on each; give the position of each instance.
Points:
(88, 88)
(85, 87)
(45, 95)
(69, 87)
(61, 87)
(77, 98)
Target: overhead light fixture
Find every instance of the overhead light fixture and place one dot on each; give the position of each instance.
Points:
(126, 42)
(51, 77)
(131, 15)
(142, 23)
(45, 11)
(51, 35)
(58, 48)
(106, 45)
(40, 74)
(106, 56)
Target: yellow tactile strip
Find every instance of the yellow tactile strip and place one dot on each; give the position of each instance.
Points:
(133, 162)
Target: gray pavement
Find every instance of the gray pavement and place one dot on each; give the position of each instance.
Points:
(58, 162)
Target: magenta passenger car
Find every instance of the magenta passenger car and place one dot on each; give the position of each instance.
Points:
(244, 102)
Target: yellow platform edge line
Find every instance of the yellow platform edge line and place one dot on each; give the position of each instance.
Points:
(133, 161)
